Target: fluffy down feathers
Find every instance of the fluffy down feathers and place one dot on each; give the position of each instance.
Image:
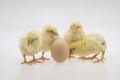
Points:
(74, 33)
(48, 34)
(90, 44)
(30, 43)
(84, 44)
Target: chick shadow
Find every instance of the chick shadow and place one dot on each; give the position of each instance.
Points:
(64, 71)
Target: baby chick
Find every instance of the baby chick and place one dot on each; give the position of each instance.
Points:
(74, 33)
(30, 44)
(92, 44)
(48, 35)
(99, 45)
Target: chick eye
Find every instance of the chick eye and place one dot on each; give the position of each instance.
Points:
(33, 39)
(78, 27)
(51, 31)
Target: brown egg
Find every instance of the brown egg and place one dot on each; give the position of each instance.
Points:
(59, 50)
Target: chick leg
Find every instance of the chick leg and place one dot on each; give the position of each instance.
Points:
(83, 58)
(34, 61)
(93, 57)
(43, 58)
(25, 61)
(70, 53)
(102, 58)
(89, 58)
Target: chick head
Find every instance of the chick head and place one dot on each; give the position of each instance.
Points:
(50, 30)
(76, 27)
(32, 37)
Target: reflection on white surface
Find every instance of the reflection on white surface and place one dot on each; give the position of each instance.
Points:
(70, 70)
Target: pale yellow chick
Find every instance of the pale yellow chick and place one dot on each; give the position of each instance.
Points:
(48, 35)
(30, 45)
(74, 33)
(89, 44)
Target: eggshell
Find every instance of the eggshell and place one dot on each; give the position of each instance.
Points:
(59, 50)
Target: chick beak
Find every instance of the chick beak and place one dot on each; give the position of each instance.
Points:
(55, 33)
(73, 30)
(28, 43)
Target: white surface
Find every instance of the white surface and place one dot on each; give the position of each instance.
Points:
(18, 17)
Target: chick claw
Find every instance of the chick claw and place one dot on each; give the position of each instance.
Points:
(100, 60)
(25, 62)
(91, 58)
(88, 58)
(83, 58)
(34, 61)
(43, 59)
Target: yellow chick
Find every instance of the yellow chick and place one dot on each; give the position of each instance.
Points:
(48, 35)
(74, 33)
(89, 44)
(30, 44)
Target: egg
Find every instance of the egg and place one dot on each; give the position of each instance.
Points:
(59, 50)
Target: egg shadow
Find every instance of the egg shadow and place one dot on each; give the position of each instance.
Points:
(64, 71)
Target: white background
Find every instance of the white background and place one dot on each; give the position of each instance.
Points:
(20, 16)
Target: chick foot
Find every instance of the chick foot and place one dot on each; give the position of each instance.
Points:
(43, 59)
(34, 61)
(83, 58)
(101, 59)
(71, 56)
(93, 57)
(24, 62)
